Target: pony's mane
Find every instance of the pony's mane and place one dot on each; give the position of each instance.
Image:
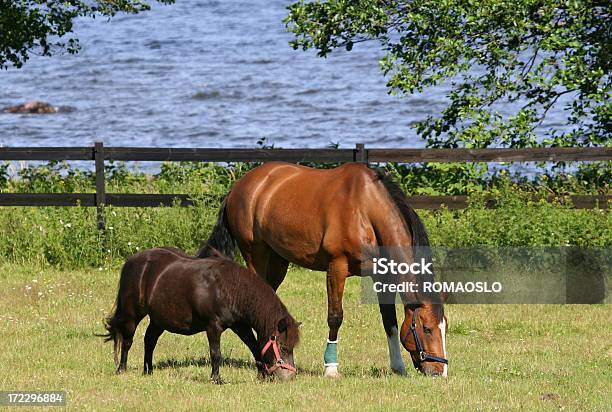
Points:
(266, 308)
(207, 251)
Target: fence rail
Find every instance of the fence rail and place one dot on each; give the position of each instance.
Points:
(360, 153)
(156, 200)
(99, 154)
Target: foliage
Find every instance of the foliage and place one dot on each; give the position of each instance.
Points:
(45, 27)
(518, 220)
(467, 178)
(67, 237)
(534, 54)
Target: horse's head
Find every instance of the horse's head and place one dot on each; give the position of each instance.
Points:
(423, 334)
(277, 352)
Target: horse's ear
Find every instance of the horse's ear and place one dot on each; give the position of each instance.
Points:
(282, 325)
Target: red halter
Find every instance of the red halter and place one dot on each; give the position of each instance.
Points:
(279, 362)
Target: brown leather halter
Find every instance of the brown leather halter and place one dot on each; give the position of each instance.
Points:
(278, 360)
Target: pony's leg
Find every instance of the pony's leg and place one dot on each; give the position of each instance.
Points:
(336, 276)
(276, 269)
(150, 340)
(246, 335)
(389, 318)
(214, 343)
(127, 335)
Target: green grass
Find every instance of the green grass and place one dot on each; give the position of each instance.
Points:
(525, 357)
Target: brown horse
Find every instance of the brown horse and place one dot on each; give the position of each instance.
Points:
(322, 220)
(186, 295)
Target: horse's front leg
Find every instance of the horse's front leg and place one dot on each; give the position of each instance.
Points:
(336, 276)
(389, 318)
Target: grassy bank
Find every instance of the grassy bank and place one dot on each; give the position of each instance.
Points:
(68, 238)
(507, 357)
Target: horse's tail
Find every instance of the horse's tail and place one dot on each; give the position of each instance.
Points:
(221, 237)
(114, 322)
(113, 326)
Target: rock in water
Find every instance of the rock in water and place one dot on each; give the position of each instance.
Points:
(34, 107)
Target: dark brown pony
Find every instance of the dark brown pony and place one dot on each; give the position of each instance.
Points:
(186, 295)
(322, 220)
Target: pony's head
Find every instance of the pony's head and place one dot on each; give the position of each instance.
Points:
(277, 352)
(423, 334)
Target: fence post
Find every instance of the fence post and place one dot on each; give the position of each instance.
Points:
(100, 184)
(361, 154)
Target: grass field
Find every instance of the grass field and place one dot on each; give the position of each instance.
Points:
(503, 357)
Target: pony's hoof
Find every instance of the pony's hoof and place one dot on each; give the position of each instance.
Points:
(217, 381)
(331, 372)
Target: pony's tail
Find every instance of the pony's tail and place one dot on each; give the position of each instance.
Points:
(112, 325)
(221, 238)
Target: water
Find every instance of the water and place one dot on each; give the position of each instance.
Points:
(209, 74)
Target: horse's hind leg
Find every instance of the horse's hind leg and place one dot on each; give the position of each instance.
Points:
(276, 269)
(127, 334)
(336, 276)
(150, 340)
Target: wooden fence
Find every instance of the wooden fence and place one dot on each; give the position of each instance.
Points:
(99, 154)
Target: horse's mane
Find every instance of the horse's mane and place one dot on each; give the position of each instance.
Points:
(420, 239)
(414, 223)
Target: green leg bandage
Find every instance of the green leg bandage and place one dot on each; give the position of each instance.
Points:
(330, 358)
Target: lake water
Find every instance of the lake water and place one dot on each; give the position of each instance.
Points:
(209, 74)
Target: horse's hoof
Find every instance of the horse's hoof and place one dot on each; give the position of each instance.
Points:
(217, 381)
(331, 372)
(400, 372)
